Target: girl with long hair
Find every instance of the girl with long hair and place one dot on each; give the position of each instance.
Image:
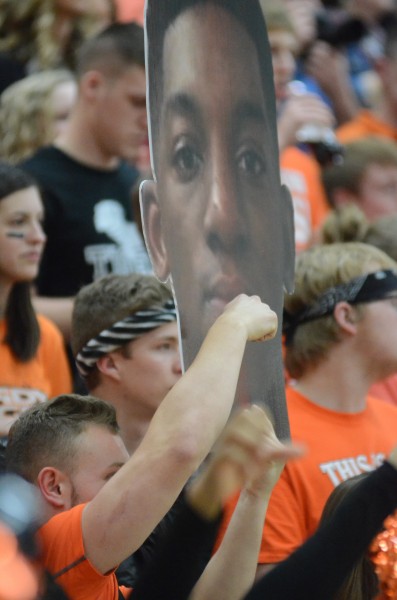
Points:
(33, 363)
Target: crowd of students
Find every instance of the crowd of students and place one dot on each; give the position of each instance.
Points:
(145, 483)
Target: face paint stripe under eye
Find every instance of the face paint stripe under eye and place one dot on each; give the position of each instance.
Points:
(15, 234)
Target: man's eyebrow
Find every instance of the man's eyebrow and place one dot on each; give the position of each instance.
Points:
(184, 105)
(249, 111)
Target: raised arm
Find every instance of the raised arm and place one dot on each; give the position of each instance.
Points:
(182, 432)
(318, 568)
(254, 465)
(248, 454)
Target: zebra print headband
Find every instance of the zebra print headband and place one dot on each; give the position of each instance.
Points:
(121, 333)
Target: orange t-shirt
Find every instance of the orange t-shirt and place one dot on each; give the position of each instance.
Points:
(339, 446)
(366, 123)
(43, 377)
(130, 10)
(301, 174)
(386, 389)
(62, 554)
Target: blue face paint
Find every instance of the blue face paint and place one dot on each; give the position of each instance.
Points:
(15, 234)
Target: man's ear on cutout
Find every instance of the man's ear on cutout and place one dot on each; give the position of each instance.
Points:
(55, 487)
(107, 365)
(288, 232)
(152, 229)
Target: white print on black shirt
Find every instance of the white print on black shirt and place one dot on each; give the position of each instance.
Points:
(340, 470)
(128, 254)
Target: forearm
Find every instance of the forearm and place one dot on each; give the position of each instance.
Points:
(231, 571)
(344, 100)
(181, 434)
(318, 568)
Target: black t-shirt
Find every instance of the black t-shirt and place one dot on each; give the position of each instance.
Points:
(11, 70)
(88, 222)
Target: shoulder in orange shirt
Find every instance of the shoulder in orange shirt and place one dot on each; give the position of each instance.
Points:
(301, 173)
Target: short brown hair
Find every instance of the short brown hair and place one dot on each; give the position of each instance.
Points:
(45, 434)
(114, 49)
(358, 156)
(317, 270)
(112, 298)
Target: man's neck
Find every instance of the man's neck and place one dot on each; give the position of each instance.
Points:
(79, 142)
(48, 512)
(132, 417)
(133, 431)
(338, 383)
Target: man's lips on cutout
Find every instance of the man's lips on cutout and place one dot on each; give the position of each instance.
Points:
(223, 290)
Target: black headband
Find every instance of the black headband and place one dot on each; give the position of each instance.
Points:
(366, 288)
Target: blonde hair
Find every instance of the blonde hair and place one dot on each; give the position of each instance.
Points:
(27, 31)
(277, 17)
(318, 269)
(26, 116)
(349, 224)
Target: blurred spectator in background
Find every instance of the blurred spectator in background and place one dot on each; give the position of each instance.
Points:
(332, 84)
(299, 169)
(34, 111)
(87, 176)
(44, 34)
(347, 38)
(367, 177)
(382, 119)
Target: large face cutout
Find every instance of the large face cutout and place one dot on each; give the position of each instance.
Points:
(216, 220)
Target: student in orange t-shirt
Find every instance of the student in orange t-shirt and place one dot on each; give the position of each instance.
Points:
(349, 224)
(301, 173)
(33, 364)
(341, 336)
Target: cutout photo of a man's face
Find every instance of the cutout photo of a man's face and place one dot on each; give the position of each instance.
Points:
(217, 221)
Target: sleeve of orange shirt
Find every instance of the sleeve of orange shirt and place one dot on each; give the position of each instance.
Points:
(61, 541)
(301, 173)
(54, 358)
(285, 528)
(285, 525)
(366, 123)
(130, 10)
